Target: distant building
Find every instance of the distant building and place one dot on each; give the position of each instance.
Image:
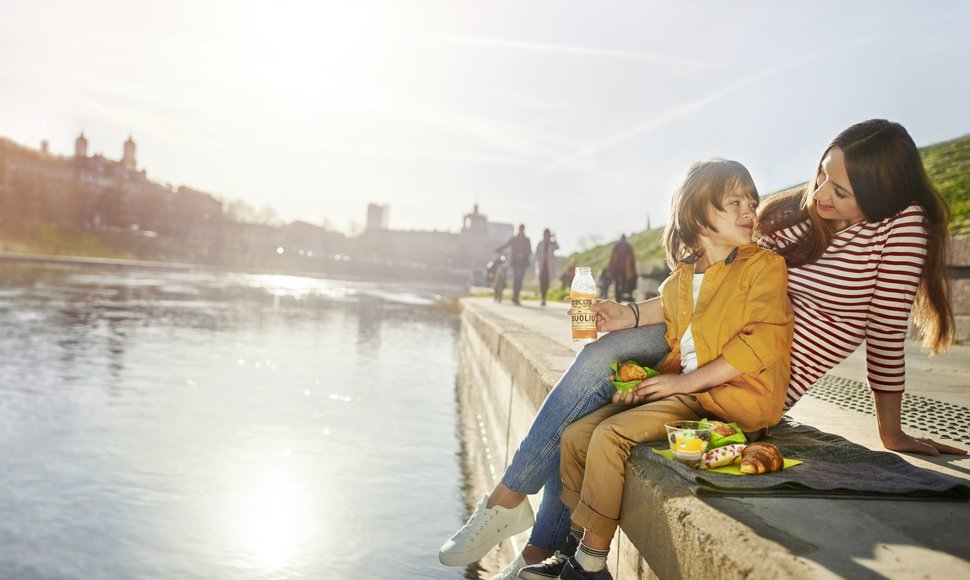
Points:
(128, 157)
(94, 192)
(377, 217)
(81, 147)
(154, 220)
(479, 238)
(468, 249)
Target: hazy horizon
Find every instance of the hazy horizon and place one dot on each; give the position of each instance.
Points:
(552, 114)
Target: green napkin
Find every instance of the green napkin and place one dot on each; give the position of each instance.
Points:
(731, 469)
(626, 386)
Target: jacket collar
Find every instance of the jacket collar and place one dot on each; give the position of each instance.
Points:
(691, 259)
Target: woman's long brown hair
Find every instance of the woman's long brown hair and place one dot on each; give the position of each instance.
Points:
(887, 175)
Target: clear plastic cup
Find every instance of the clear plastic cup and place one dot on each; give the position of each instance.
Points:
(688, 440)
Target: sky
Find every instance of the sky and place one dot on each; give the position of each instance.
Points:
(573, 115)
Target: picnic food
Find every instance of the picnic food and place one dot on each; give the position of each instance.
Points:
(628, 375)
(721, 456)
(761, 457)
(630, 371)
(722, 429)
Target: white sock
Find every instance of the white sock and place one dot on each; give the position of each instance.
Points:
(591, 559)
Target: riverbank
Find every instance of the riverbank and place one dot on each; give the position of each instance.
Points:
(455, 282)
(511, 356)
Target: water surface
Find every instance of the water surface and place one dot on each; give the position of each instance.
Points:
(190, 425)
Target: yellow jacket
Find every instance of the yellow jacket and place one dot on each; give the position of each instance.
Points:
(742, 313)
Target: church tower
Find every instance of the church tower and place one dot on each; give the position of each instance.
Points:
(81, 146)
(128, 160)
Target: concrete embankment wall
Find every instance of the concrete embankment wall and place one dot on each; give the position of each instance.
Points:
(506, 370)
(960, 286)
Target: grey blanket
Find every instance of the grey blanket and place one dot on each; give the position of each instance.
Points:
(833, 467)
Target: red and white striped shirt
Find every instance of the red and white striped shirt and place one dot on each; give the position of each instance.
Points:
(861, 288)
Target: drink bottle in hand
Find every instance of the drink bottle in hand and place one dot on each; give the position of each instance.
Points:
(582, 294)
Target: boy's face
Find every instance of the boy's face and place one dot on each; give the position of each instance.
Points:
(735, 224)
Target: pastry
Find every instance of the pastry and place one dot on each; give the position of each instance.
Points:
(722, 429)
(760, 457)
(721, 456)
(630, 371)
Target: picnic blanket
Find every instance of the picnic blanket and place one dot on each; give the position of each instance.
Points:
(832, 467)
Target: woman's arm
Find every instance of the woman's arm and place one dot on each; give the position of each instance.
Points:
(888, 413)
(897, 280)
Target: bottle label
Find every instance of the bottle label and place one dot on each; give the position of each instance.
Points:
(583, 317)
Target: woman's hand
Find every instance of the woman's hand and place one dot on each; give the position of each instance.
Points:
(908, 444)
(612, 316)
(888, 411)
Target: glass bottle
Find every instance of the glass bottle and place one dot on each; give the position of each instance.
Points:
(582, 294)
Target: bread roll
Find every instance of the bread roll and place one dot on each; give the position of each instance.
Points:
(722, 428)
(630, 371)
(760, 457)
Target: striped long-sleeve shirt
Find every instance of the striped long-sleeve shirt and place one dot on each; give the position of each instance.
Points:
(861, 288)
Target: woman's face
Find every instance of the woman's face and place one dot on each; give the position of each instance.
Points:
(833, 195)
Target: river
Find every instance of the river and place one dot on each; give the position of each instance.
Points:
(180, 425)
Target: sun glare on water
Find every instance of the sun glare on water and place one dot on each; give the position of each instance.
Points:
(275, 523)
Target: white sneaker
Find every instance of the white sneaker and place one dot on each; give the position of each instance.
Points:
(511, 572)
(484, 530)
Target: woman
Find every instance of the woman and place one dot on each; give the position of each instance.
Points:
(865, 244)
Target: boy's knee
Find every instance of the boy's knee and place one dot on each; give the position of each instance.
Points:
(573, 440)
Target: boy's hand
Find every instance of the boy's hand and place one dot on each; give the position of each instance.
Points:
(661, 387)
(628, 397)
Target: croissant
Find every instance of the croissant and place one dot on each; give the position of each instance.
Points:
(630, 371)
(760, 457)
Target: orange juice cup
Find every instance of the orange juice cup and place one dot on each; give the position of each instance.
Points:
(688, 440)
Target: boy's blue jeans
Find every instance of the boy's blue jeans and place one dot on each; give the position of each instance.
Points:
(584, 388)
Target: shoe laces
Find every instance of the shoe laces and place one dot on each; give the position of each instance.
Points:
(555, 560)
(478, 520)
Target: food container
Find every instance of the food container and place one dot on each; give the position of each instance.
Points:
(688, 440)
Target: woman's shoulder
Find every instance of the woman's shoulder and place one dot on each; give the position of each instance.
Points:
(910, 221)
(913, 214)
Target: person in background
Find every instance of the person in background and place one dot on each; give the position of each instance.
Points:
(622, 269)
(567, 276)
(520, 249)
(498, 269)
(545, 262)
(604, 283)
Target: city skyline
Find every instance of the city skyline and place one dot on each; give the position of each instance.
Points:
(552, 114)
